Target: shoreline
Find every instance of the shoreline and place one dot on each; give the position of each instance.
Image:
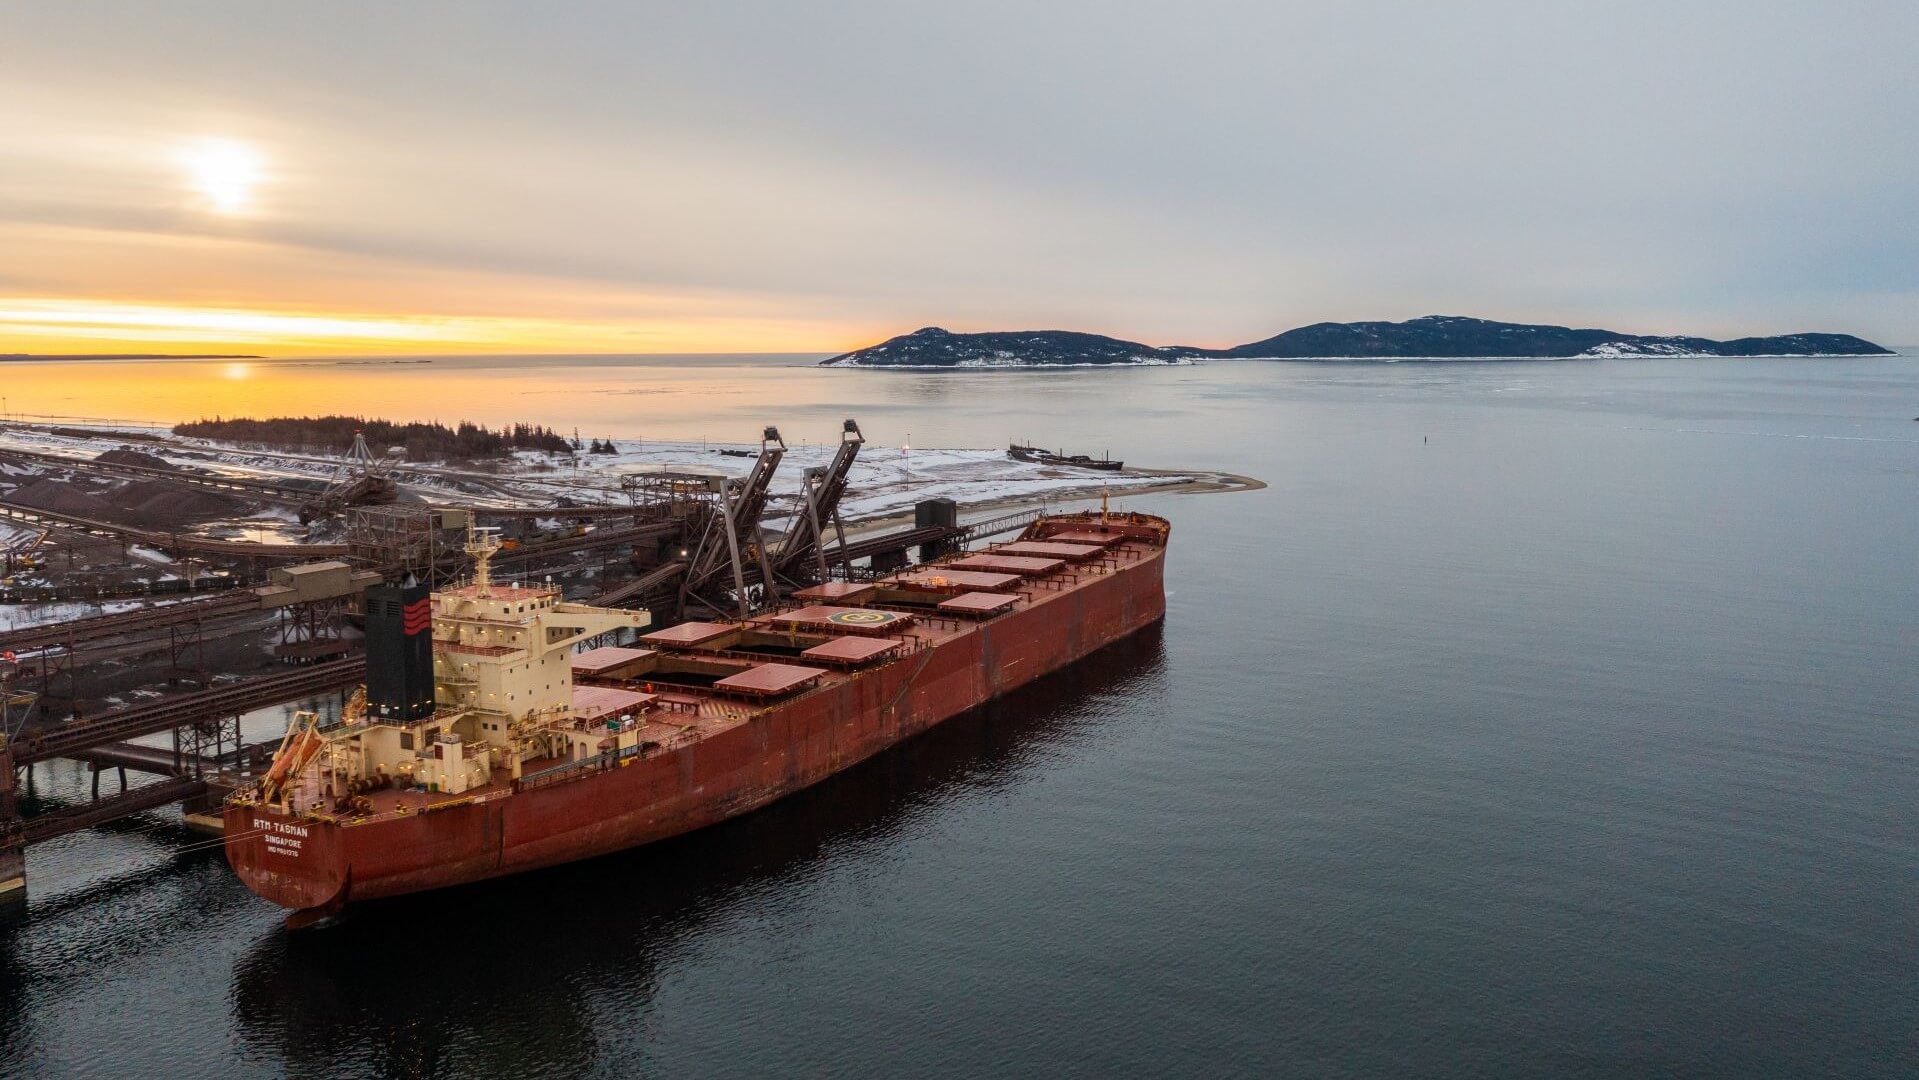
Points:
(983, 482)
(1205, 482)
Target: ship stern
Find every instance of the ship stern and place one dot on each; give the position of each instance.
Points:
(295, 862)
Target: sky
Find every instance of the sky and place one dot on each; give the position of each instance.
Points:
(297, 179)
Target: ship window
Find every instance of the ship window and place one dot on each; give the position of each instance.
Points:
(406, 740)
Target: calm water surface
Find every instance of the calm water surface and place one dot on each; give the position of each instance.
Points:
(1539, 719)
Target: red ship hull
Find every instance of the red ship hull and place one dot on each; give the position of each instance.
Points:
(306, 864)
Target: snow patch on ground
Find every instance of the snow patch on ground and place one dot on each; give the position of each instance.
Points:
(1012, 360)
(1627, 349)
(18, 616)
(1004, 359)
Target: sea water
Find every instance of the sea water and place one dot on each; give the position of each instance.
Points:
(1538, 718)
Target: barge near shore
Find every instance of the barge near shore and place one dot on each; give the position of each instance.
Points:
(483, 745)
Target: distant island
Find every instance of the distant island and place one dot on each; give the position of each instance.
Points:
(934, 347)
(128, 356)
(1434, 337)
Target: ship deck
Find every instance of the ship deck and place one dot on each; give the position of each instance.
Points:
(699, 679)
(841, 631)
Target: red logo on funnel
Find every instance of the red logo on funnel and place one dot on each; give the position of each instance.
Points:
(417, 617)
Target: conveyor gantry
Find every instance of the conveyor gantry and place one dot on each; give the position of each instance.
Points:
(733, 534)
(820, 490)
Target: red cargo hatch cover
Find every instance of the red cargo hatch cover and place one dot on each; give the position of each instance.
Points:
(978, 603)
(593, 702)
(1045, 549)
(689, 633)
(853, 650)
(1008, 564)
(942, 578)
(1102, 539)
(851, 592)
(595, 661)
(769, 679)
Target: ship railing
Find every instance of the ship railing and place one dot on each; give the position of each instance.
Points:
(347, 820)
(343, 726)
(577, 770)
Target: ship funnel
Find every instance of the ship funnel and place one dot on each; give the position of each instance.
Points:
(399, 652)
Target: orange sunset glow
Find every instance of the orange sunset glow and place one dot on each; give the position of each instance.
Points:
(37, 325)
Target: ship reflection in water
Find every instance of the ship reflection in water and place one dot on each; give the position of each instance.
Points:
(518, 976)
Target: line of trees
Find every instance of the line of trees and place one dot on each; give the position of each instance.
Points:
(464, 441)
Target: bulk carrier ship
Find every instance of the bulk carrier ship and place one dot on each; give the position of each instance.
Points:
(484, 744)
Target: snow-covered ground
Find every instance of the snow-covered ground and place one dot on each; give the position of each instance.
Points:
(1005, 359)
(1623, 350)
(15, 533)
(16, 616)
(884, 480)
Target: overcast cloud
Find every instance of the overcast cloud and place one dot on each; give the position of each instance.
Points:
(1197, 172)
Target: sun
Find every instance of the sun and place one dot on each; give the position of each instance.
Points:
(224, 172)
